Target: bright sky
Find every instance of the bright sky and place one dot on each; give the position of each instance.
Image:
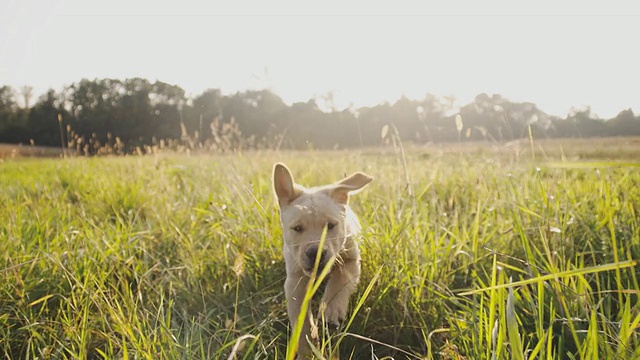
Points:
(557, 54)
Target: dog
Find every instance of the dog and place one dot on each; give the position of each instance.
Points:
(305, 213)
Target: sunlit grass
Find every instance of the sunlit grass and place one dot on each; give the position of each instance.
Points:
(482, 255)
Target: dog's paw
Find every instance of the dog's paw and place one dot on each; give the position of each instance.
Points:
(334, 314)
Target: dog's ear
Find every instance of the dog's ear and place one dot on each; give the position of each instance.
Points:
(283, 184)
(350, 185)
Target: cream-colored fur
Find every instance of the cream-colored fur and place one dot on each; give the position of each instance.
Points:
(304, 213)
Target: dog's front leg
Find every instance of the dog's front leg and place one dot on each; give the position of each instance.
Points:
(342, 282)
(294, 289)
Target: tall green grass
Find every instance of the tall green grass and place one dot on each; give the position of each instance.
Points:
(465, 255)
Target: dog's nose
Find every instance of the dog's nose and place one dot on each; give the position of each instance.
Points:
(311, 254)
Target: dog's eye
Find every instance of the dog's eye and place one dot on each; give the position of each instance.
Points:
(331, 225)
(298, 228)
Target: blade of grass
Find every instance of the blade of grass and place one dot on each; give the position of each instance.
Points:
(517, 351)
(568, 273)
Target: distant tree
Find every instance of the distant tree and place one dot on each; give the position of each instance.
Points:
(309, 127)
(167, 102)
(27, 94)
(257, 112)
(139, 112)
(134, 110)
(496, 118)
(95, 105)
(201, 112)
(625, 124)
(13, 127)
(349, 129)
(372, 119)
(8, 106)
(297, 121)
(44, 120)
(407, 119)
(437, 118)
(586, 123)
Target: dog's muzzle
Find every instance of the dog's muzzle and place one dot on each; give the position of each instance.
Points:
(310, 258)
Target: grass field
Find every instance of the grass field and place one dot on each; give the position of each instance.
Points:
(468, 253)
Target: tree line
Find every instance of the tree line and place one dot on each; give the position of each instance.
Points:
(135, 112)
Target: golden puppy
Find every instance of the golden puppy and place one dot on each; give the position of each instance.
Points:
(304, 214)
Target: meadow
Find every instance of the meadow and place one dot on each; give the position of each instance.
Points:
(510, 251)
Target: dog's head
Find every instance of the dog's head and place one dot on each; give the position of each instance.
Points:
(305, 213)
